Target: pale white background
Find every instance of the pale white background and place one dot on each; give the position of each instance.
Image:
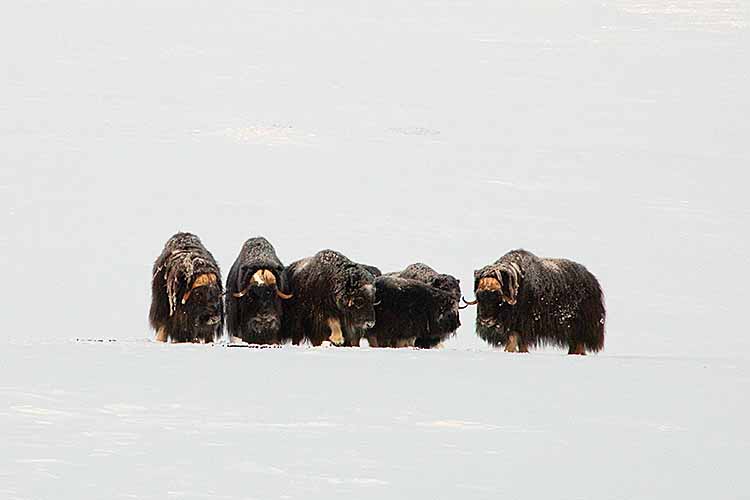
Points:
(612, 133)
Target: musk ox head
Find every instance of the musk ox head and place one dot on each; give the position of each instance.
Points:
(496, 286)
(375, 271)
(261, 293)
(355, 296)
(449, 284)
(446, 318)
(448, 300)
(201, 303)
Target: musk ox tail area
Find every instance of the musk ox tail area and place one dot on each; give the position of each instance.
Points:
(577, 306)
(594, 314)
(256, 289)
(186, 292)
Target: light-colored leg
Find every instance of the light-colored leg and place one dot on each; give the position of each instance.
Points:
(161, 335)
(523, 347)
(406, 342)
(336, 337)
(512, 344)
(579, 349)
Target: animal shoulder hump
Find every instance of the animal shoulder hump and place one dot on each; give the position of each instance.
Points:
(183, 240)
(297, 267)
(419, 267)
(331, 259)
(400, 286)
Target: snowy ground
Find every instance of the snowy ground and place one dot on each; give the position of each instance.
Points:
(138, 420)
(613, 133)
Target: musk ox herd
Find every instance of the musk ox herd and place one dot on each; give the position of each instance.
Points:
(523, 301)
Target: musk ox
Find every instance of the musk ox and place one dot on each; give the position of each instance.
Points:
(409, 311)
(526, 301)
(426, 274)
(447, 283)
(186, 292)
(332, 300)
(373, 270)
(255, 291)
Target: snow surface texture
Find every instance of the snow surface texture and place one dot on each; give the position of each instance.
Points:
(611, 133)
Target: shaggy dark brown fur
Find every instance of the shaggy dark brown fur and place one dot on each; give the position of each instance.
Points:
(331, 295)
(526, 301)
(431, 337)
(256, 287)
(409, 310)
(186, 292)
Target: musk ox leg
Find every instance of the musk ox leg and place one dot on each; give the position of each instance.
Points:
(336, 337)
(577, 349)
(512, 344)
(405, 342)
(373, 341)
(161, 334)
(208, 338)
(353, 341)
(523, 344)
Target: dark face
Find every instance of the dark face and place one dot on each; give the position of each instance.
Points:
(493, 294)
(263, 314)
(260, 305)
(488, 307)
(448, 284)
(204, 306)
(359, 306)
(447, 319)
(356, 297)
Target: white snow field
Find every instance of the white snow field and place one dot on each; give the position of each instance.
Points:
(142, 420)
(614, 133)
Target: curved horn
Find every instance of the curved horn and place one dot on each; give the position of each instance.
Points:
(202, 280)
(514, 271)
(499, 276)
(468, 303)
(270, 278)
(258, 277)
